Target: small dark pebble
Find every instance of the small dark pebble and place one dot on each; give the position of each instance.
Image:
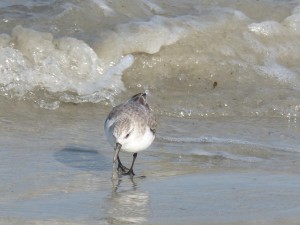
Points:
(215, 84)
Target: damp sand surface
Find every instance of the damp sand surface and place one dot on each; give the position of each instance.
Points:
(56, 168)
(221, 76)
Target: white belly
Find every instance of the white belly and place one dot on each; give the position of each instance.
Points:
(134, 143)
(137, 142)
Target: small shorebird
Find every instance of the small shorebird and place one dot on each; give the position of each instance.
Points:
(130, 127)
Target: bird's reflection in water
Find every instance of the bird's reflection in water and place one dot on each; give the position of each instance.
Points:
(127, 204)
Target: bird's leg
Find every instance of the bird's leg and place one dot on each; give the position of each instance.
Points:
(130, 171)
(121, 167)
(117, 150)
(116, 157)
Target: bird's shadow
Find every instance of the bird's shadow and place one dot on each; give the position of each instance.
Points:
(83, 158)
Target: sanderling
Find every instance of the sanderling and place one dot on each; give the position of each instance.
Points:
(130, 127)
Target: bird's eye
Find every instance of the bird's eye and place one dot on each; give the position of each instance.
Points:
(127, 135)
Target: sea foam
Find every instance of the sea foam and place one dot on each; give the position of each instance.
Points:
(91, 51)
(36, 60)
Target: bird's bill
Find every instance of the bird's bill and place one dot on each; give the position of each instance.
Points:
(117, 150)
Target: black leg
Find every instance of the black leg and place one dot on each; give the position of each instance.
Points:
(121, 167)
(130, 171)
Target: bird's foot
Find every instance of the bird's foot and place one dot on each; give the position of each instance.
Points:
(129, 172)
(122, 169)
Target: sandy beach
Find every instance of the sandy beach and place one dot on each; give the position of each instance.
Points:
(222, 78)
(56, 168)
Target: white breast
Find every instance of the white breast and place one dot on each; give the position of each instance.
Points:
(138, 142)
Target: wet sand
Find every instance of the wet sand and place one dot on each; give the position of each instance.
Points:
(223, 79)
(56, 169)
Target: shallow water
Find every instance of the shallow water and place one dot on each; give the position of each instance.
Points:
(56, 168)
(222, 78)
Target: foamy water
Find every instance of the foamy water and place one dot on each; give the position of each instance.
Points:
(92, 51)
(223, 78)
